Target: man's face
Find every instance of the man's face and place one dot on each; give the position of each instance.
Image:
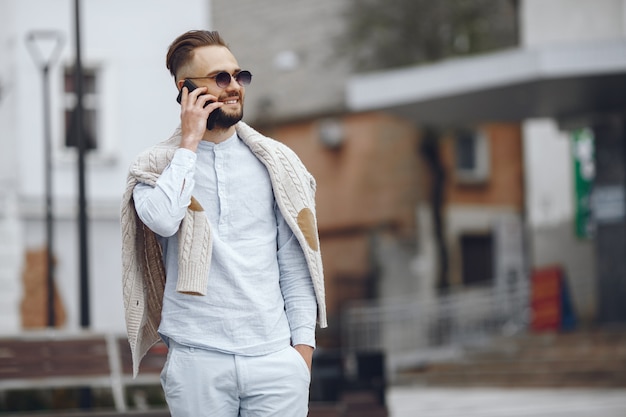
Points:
(208, 61)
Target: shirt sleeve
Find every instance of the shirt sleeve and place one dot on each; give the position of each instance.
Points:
(296, 285)
(162, 207)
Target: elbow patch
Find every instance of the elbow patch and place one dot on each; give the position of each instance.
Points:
(194, 205)
(306, 222)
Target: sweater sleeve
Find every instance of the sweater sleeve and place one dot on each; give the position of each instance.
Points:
(163, 206)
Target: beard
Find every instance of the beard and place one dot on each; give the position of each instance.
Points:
(223, 120)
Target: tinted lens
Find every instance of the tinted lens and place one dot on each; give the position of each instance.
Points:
(222, 79)
(244, 77)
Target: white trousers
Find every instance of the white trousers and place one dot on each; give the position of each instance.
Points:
(204, 383)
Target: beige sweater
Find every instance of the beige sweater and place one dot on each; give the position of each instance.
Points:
(143, 273)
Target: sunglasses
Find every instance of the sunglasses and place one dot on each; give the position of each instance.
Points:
(223, 79)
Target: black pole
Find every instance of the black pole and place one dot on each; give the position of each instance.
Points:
(48, 182)
(45, 64)
(85, 319)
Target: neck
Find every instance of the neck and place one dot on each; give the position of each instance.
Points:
(218, 135)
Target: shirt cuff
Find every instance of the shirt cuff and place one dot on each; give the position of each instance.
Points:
(184, 158)
(303, 337)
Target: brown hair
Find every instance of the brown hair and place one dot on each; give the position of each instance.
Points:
(180, 51)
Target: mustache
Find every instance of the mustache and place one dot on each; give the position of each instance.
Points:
(230, 95)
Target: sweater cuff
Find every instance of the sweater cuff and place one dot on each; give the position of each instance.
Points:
(192, 280)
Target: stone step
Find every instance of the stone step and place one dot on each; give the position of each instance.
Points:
(569, 379)
(529, 365)
(580, 359)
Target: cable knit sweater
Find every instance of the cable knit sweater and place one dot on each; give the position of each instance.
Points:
(143, 273)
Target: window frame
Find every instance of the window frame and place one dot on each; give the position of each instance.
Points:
(106, 152)
(480, 170)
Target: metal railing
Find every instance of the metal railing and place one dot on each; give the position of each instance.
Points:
(411, 330)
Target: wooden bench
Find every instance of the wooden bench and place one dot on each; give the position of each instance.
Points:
(40, 360)
(51, 359)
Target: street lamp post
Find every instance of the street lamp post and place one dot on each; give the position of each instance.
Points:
(85, 316)
(34, 42)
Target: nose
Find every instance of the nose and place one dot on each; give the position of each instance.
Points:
(233, 85)
(233, 79)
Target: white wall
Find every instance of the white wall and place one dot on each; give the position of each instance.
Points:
(550, 210)
(7, 93)
(547, 153)
(128, 40)
(548, 173)
(555, 21)
(10, 236)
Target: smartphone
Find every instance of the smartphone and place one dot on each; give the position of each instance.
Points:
(210, 123)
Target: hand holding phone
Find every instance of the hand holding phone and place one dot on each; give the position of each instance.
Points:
(190, 87)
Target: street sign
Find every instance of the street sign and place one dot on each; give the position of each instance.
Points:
(584, 174)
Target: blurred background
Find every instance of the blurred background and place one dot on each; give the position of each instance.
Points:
(470, 157)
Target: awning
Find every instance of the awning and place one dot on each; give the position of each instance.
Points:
(561, 81)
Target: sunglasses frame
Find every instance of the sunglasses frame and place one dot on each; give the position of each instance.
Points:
(222, 82)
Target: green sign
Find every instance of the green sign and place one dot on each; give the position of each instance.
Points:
(584, 173)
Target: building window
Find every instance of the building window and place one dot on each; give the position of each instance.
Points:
(477, 258)
(91, 109)
(471, 149)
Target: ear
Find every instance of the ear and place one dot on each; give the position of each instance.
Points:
(179, 83)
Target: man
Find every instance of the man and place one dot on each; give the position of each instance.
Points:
(221, 252)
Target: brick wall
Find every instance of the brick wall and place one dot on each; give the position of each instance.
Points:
(367, 187)
(505, 184)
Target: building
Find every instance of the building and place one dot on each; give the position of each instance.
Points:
(130, 102)
(564, 85)
(508, 207)
(374, 204)
(391, 230)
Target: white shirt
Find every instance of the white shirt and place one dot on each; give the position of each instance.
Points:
(260, 295)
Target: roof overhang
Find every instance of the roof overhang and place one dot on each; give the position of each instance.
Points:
(563, 82)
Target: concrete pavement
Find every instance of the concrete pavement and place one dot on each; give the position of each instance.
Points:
(416, 401)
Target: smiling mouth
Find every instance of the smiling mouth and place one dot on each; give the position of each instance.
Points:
(235, 101)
